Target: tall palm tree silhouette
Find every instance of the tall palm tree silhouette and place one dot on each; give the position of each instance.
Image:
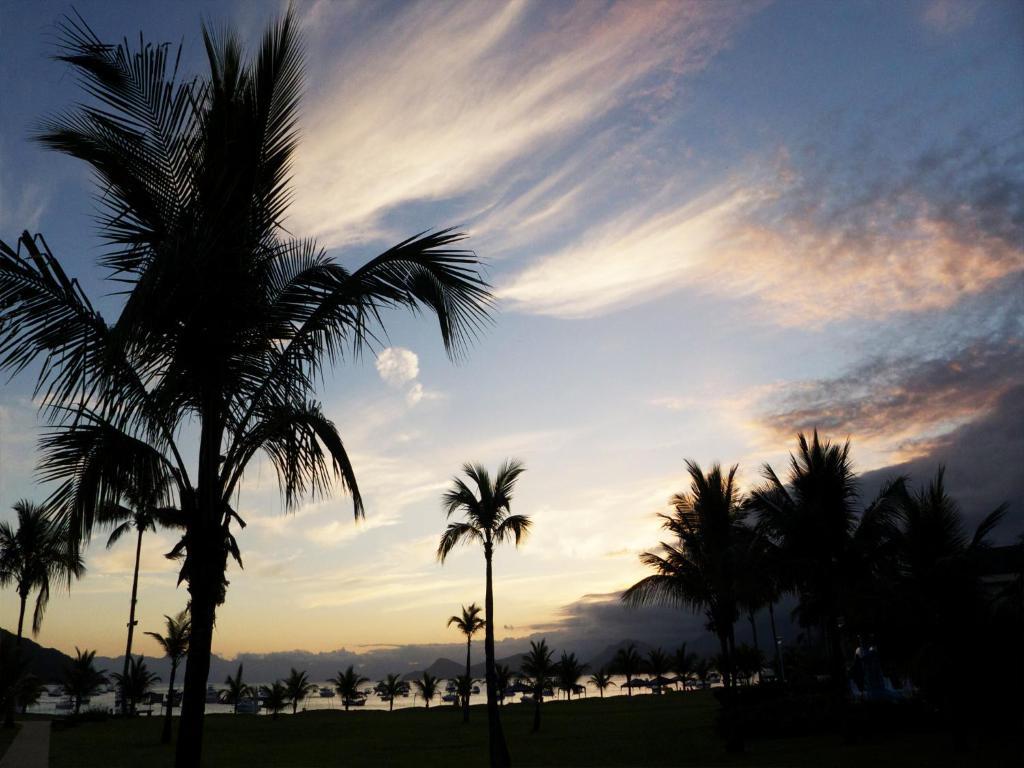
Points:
(698, 570)
(810, 520)
(601, 680)
(488, 520)
(135, 684)
(227, 321)
(427, 686)
(142, 511)
(81, 679)
(568, 672)
(469, 623)
(174, 644)
(237, 690)
(298, 687)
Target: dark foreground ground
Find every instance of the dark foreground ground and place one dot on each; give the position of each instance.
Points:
(675, 729)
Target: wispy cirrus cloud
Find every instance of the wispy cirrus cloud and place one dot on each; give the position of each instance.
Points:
(435, 101)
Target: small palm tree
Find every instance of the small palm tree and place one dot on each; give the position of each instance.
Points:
(347, 684)
(502, 679)
(427, 687)
(488, 520)
(35, 554)
(136, 684)
(658, 664)
(568, 673)
(601, 680)
(174, 644)
(539, 668)
(237, 690)
(275, 698)
(30, 690)
(391, 687)
(469, 623)
(81, 679)
(142, 510)
(627, 662)
(298, 686)
(683, 663)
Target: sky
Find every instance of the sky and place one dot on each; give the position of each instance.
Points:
(708, 225)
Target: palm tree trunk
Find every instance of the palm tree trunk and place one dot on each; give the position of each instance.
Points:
(131, 620)
(465, 698)
(496, 736)
(165, 737)
(775, 640)
(206, 559)
(536, 712)
(9, 714)
(391, 704)
(753, 630)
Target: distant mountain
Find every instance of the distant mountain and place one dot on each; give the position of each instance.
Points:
(604, 657)
(48, 664)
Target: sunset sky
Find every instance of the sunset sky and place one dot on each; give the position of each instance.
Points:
(708, 225)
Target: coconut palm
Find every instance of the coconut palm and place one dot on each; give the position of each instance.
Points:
(488, 520)
(810, 520)
(698, 570)
(502, 680)
(539, 669)
(33, 556)
(683, 663)
(174, 644)
(237, 690)
(627, 662)
(469, 623)
(347, 684)
(427, 687)
(390, 687)
(136, 684)
(81, 679)
(227, 322)
(658, 665)
(142, 510)
(275, 698)
(298, 686)
(30, 690)
(601, 680)
(568, 672)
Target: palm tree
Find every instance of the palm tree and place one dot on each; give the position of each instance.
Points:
(469, 623)
(502, 680)
(236, 690)
(32, 556)
(30, 690)
(174, 644)
(227, 322)
(568, 673)
(81, 679)
(627, 662)
(658, 664)
(699, 570)
(427, 687)
(347, 684)
(142, 512)
(391, 687)
(488, 519)
(298, 686)
(539, 668)
(810, 521)
(275, 698)
(136, 684)
(601, 680)
(684, 664)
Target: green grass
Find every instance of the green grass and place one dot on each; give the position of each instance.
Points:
(647, 730)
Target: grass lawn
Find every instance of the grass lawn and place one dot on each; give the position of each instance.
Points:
(676, 729)
(6, 737)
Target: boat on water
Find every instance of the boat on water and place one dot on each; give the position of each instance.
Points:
(326, 693)
(476, 689)
(248, 707)
(450, 698)
(357, 702)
